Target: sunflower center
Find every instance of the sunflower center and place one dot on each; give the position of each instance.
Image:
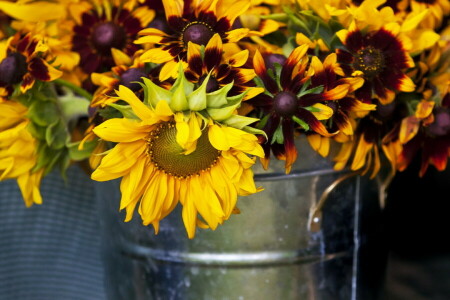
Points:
(108, 35)
(13, 68)
(167, 155)
(131, 77)
(370, 61)
(212, 85)
(285, 104)
(198, 33)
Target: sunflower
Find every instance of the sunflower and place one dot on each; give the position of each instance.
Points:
(221, 71)
(380, 58)
(180, 145)
(18, 151)
(23, 61)
(191, 21)
(289, 103)
(99, 28)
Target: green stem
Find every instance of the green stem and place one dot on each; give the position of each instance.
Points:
(82, 92)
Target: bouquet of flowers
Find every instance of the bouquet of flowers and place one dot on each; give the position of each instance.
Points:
(180, 98)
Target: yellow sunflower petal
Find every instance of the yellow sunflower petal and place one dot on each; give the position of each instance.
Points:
(139, 108)
(121, 130)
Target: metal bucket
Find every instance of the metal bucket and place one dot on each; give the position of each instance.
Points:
(272, 250)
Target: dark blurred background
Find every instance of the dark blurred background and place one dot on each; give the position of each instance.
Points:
(405, 251)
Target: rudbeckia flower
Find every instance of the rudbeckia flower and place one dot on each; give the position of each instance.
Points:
(220, 70)
(191, 21)
(380, 57)
(369, 139)
(18, 151)
(128, 71)
(329, 75)
(289, 103)
(101, 27)
(23, 61)
(431, 139)
(180, 145)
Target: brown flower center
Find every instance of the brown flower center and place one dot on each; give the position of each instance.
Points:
(199, 33)
(13, 68)
(167, 155)
(285, 104)
(370, 61)
(106, 36)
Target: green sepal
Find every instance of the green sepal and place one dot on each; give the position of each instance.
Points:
(312, 109)
(125, 110)
(218, 98)
(223, 113)
(187, 85)
(278, 136)
(155, 93)
(301, 123)
(239, 122)
(43, 113)
(254, 130)
(179, 100)
(77, 154)
(56, 135)
(280, 17)
(197, 99)
(74, 107)
(316, 90)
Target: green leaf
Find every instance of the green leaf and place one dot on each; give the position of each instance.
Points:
(56, 135)
(77, 154)
(43, 113)
(300, 122)
(278, 136)
(37, 131)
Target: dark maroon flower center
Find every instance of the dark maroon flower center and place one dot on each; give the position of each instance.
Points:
(198, 33)
(108, 35)
(285, 104)
(370, 61)
(441, 124)
(13, 68)
(212, 85)
(271, 59)
(130, 76)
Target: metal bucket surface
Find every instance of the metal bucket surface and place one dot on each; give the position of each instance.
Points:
(266, 252)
